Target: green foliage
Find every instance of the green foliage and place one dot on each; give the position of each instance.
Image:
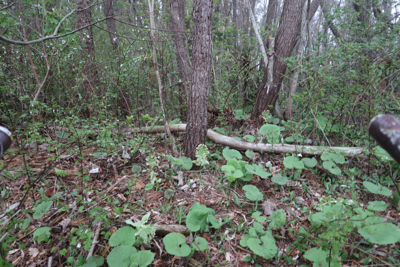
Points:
(253, 193)
(144, 233)
(309, 162)
(175, 244)
(42, 234)
(292, 162)
(257, 170)
(124, 236)
(271, 132)
(278, 219)
(249, 138)
(231, 154)
(279, 179)
(183, 162)
(201, 218)
(41, 209)
(201, 155)
(123, 254)
(376, 189)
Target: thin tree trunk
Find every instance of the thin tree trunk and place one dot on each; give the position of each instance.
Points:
(295, 81)
(201, 66)
(111, 27)
(258, 36)
(153, 38)
(178, 26)
(325, 6)
(84, 17)
(284, 45)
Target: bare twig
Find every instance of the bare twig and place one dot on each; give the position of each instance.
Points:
(96, 237)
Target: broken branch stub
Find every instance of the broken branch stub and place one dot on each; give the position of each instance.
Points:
(385, 129)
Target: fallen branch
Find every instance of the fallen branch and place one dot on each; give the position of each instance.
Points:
(241, 145)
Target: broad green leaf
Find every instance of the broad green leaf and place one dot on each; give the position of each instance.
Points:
(253, 193)
(332, 167)
(120, 256)
(291, 139)
(293, 162)
(318, 256)
(98, 260)
(136, 169)
(175, 121)
(124, 236)
(175, 244)
(239, 115)
(395, 200)
(142, 258)
(279, 179)
(377, 205)
(272, 132)
(231, 154)
(249, 138)
(382, 154)
(42, 234)
(337, 158)
(250, 154)
(257, 170)
(278, 219)
(377, 189)
(196, 220)
(382, 233)
(244, 239)
(200, 244)
(264, 247)
(309, 162)
(41, 209)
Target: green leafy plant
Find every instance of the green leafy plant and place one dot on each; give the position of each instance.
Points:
(253, 193)
(239, 115)
(176, 244)
(42, 234)
(123, 253)
(201, 155)
(182, 162)
(41, 209)
(330, 161)
(261, 242)
(201, 218)
(271, 132)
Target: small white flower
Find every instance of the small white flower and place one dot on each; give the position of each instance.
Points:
(300, 155)
(79, 245)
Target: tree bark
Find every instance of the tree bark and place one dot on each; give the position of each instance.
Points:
(325, 6)
(160, 91)
(201, 66)
(111, 27)
(84, 17)
(182, 57)
(286, 38)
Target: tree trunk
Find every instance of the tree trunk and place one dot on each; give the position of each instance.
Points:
(179, 30)
(84, 17)
(201, 66)
(325, 6)
(284, 44)
(111, 28)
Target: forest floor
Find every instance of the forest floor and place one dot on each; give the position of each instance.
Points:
(116, 193)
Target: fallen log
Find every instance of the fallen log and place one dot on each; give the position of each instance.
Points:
(272, 148)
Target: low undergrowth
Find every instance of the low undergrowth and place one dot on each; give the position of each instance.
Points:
(89, 193)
